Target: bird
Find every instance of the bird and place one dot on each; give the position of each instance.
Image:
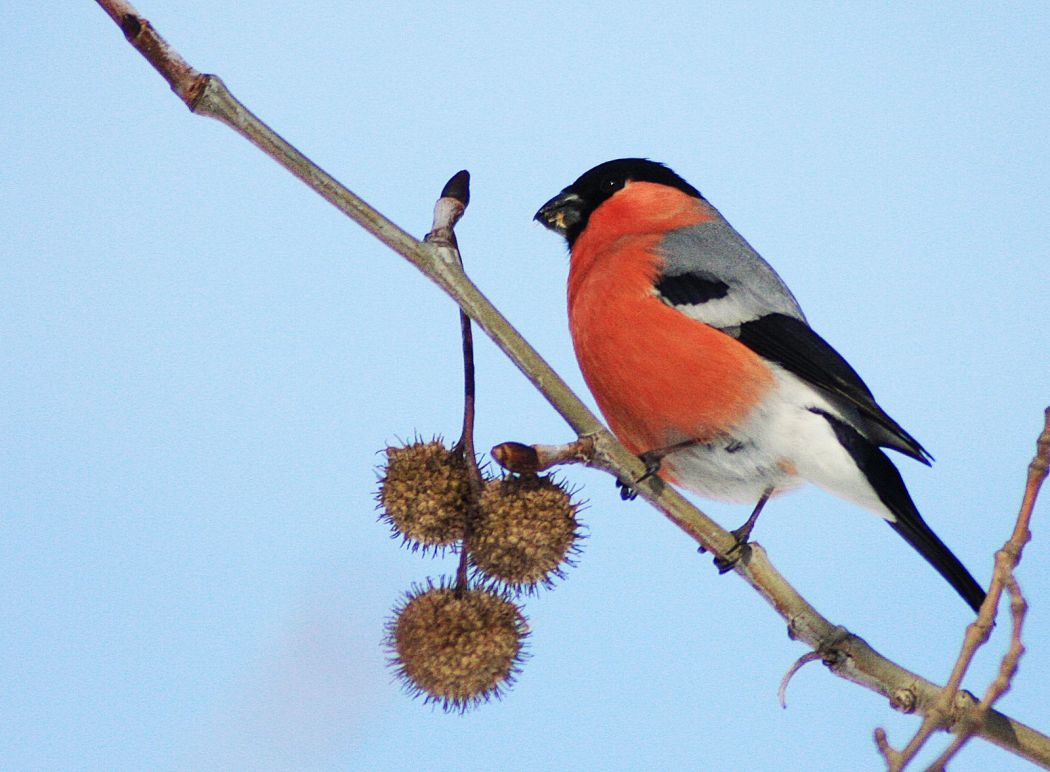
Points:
(703, 363)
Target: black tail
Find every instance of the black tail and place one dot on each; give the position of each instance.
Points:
(886, 480)
(915, 531)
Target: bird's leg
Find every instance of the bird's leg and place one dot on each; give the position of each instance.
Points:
(741, 535)
(652, 460)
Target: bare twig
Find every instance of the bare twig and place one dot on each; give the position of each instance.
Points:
(448, 210)
(942, 712)
(890, 754)
(523, 459)
(185, 81)
(798, 664)
(1001, 684)
(855, 660)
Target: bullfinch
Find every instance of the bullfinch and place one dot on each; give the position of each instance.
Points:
(702, 362)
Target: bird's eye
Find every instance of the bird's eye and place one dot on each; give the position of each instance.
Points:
(611, 184)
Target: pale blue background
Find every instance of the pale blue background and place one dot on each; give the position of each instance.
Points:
(200, 360)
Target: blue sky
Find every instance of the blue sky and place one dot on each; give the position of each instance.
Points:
(201, 360)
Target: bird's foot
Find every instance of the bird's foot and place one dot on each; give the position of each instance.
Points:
(652, 460)
(734, 554)
(627, 491)
(741, 535)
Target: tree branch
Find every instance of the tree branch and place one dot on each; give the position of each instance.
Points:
(980, 630)
(449, 208)
(847, 655)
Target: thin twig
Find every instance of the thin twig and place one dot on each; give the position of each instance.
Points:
(466, 446)
(1007, 670)
(448, 210)
(942, 712)
(889, 754)
(857, 662)
(185, 81)
(798, 664)
(529, 459)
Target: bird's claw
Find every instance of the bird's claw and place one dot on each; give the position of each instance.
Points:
(726, 564)
(736, 553)
(651, 459)
(627, 491)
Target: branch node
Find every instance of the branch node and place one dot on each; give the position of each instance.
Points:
(834, 640)
(963, 706)
(903, 699)
(131, 26)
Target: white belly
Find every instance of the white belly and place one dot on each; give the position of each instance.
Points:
(781, 445)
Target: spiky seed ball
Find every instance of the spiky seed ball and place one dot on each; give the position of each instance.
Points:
(456, 648)
(525, 530)
(423, 492)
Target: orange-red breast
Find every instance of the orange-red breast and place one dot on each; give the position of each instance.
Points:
(701, 359)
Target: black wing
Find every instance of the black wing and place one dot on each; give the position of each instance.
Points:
(793, 345)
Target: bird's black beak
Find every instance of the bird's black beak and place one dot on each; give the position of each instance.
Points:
(561, 212)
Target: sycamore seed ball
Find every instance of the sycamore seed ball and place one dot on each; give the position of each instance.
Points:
(525, 531)
(457, 648)
(424, 492)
